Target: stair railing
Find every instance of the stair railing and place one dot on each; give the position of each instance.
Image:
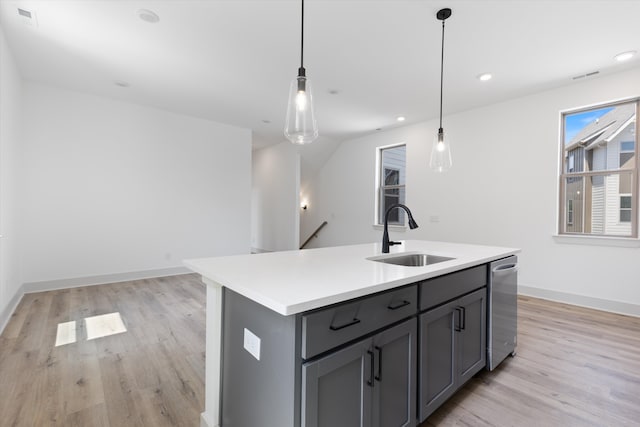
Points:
(314, 234)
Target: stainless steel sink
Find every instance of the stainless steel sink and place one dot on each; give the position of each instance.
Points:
(411, 260)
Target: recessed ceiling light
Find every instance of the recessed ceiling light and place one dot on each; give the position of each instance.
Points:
(333, 91)
(400, 118)
(148, 16)
(122, 83)
(625, 56)
(484, 77)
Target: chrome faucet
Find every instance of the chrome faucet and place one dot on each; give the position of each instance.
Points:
(385, 235)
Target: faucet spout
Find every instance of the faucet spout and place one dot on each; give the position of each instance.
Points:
(385, 234)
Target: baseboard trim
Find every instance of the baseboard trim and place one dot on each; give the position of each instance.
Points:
(581, 300)
(76, 282)
(6, 314)
(259, 251)
(204, 420)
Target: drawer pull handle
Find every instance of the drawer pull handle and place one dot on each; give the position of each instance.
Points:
(371, 362)
(346, 325)
(400, 305)
(457, 322)
(461, 313)
(379, 376)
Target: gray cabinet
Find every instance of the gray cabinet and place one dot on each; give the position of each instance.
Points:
(370, 383)
(452, 348)
(335, 389)
(384, 360)
(395, 376)
(331, 327)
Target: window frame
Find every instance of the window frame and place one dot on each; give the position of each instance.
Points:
(380, 187)
(563, 175)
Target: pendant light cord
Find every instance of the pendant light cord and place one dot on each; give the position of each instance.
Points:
(302, 38)
(441, 74)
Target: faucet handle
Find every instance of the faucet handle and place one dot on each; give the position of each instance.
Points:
(391, 243)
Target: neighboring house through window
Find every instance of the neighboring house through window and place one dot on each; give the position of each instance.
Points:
(391, 178)
(599, 178)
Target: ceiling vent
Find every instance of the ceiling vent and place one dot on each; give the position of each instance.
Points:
(27, 17)
(582, 76)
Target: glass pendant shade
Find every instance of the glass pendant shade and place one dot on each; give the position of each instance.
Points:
(300, 126)
(440, 153)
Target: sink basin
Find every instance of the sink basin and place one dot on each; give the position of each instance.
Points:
(411, 260)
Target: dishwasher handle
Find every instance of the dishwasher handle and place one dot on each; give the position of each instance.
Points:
(505, 269)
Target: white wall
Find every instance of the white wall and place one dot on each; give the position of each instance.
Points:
(502, 190)
(117, 188)
(10, 110)
(275, 202)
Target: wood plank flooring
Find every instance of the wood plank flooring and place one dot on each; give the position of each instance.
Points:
(150, 375)
(574, 367)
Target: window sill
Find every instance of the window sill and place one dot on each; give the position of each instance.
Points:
(621, 242)
(391, 227)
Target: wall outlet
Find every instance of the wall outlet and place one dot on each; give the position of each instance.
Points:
(252, 343)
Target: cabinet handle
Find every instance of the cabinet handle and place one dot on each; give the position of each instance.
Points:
(464, 318)
(337, 328)
(371, 376)
(379, 376)
(456, 325)
(400, 305)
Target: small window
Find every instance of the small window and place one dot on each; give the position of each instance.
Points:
(391, 178)
(625, 208)
(599, 171)
(571, 164)
(627, 151)
(570, 212)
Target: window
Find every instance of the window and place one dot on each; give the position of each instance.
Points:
(625, 208)
(599, 178)
(391, 177)
(571, 162)
(570, 212)
(627, 149)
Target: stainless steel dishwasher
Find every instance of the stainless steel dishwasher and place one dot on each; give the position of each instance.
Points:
(502, 310)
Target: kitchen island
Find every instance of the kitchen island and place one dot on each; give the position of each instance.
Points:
(279, 323)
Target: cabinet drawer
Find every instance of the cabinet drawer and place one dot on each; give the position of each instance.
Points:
(445, 288)
(330, 327)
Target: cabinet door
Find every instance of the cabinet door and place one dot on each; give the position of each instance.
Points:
(437, 357)
(395, 376)
(336, 389)
(471, 337)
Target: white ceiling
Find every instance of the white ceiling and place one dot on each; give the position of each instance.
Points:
(232, 61)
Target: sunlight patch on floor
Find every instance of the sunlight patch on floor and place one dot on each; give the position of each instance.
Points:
(66, 333)
(100, 326)
(104, 325)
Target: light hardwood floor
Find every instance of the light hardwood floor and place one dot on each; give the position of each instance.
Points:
(151, 375)
(574, 367)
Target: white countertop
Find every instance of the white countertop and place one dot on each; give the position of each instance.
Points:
(291, 282)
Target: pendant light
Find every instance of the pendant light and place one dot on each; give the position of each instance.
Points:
(300, 126)
(441, 151)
